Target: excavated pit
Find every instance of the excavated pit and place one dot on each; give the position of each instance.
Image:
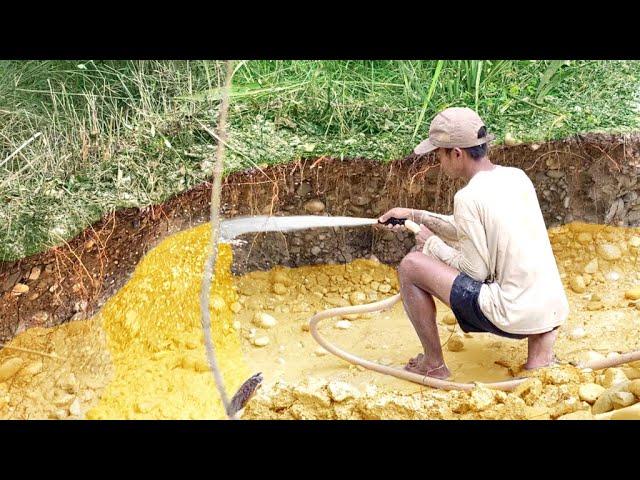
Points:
(579, 180)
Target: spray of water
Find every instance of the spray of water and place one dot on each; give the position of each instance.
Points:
(230, 229)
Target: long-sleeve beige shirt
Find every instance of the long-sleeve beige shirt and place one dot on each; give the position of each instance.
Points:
(503, 242)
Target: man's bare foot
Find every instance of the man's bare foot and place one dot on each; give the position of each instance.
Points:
(419, 365)
(554, 361)
(541, 350)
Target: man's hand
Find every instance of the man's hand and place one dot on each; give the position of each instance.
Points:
(422, 236)
(396, 213)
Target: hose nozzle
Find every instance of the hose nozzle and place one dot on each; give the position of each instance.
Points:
(411, 225)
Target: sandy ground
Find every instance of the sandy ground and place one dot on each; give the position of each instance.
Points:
(142, 356)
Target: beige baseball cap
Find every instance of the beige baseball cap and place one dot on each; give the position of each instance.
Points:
(455, 127)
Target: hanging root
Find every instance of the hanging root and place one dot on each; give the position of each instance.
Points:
(28, 350)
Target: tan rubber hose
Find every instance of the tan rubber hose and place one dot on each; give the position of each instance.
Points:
(611, 361)
(376, 367)
(386, 304)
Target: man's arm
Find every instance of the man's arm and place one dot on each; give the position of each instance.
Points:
(442, 225)
(468, 258)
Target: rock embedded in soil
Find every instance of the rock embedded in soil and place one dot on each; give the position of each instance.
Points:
(35, 273)
(481, 398)
(32, 369)
(559, 375)
(633, 294)
(613, 377)
(622, 399)
(264, 320)
(59, 414)
(577, 333)
(603, 404)
(303, 189)
(10, 367)
(455, 343)
(593, 306)
(609, 251)
(631, 373)
(314, 206)
(591, 267)
(260, 341)
(19, 289)
(40, 318)
(578, 284)
(68, 383)
(584, 238)
(357, 298)
(343, 324)
(80, 306)
(590, 392)
(63, 399)
(449, 319)
(361, 200)
(634, 387)
(612, 276)
(74, 408)
(606, 402)
(341, 391)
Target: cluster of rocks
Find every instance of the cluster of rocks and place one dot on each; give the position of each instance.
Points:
(563, 393)
(591, 257)
(602, 192)
(269, 302)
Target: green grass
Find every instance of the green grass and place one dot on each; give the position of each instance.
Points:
(129, 133)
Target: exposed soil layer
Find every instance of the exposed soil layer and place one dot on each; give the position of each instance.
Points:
(590, 178)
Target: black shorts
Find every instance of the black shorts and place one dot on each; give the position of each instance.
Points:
(464, 304)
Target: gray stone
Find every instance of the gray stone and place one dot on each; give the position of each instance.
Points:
(10, 281)
(634, 216)
(555, 174)
(361, 200)
(303, 189)
(314, 206)
(630, 197)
